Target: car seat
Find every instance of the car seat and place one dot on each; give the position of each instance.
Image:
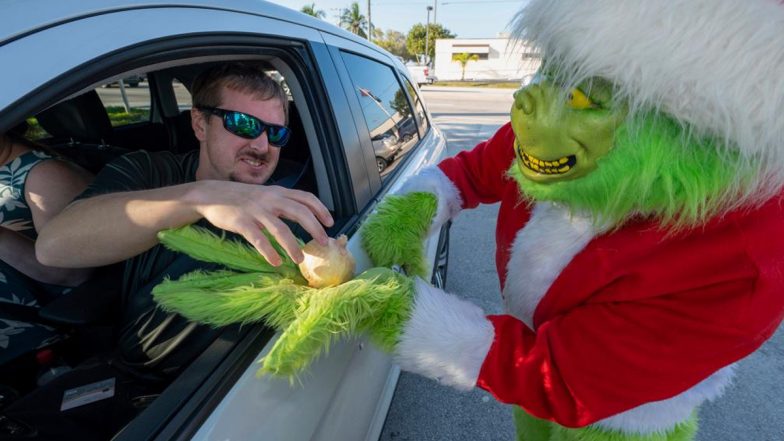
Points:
(80, 130)
(295, 167)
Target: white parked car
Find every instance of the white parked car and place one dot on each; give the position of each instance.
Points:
(57, 55)
(421, 74)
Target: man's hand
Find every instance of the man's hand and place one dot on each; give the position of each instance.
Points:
(249, 209)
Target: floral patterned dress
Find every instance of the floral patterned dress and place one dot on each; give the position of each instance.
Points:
(18, 337)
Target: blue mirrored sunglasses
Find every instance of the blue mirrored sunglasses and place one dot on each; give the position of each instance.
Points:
(249, 127)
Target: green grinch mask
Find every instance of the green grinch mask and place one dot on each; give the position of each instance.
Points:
(560, 134)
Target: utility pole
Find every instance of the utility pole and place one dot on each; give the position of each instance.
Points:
(435, 11)
(370, 25)
(427, 37)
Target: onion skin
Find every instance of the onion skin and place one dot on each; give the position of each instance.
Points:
(325, 266)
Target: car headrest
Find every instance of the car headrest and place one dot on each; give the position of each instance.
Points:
(82, 118)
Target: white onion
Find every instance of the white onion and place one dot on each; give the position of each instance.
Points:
(329, 265)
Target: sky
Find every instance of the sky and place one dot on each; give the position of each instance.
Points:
(466, 18)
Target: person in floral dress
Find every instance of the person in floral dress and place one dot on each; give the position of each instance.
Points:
(34, 186)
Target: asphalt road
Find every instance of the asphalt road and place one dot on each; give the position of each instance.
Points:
(752, 408)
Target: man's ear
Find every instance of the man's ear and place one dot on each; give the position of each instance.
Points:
(199, 124)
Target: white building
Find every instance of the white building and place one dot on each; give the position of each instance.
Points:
(499, 58)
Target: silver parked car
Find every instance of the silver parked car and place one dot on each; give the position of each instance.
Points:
(57, 57)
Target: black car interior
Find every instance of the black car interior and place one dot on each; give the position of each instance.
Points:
(88, 318)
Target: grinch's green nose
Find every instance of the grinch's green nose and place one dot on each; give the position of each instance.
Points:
(524, 102)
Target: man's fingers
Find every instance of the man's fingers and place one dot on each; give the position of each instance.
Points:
(254, 208)
(281, 232)
(253, 234)
(315, 206)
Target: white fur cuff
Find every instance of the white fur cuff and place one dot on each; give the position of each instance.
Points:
(433, 180)
(661, 416)
(447, 338)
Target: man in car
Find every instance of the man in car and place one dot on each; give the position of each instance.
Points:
(238, 116)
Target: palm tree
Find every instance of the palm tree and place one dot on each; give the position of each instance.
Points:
(463, 59)
(312, 11)
(353, 21)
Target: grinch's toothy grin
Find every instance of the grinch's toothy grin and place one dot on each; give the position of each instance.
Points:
(554, 167)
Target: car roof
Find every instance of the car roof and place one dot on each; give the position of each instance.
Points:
(23, 17)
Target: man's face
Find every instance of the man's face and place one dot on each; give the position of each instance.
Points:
(225, 156)
(557, 140)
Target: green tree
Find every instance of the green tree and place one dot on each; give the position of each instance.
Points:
(415, 40)
(394, 42)
(378, 34)
(400, 104)
(463, 59)
(311, 10)
(353, 21)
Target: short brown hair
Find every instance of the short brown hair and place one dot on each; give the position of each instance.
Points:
(239, 76)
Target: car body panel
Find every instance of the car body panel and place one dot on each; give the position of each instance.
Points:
(82, 41)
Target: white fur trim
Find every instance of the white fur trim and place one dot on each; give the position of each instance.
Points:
(433, 180)
(660, 416)
(715, 64)
(447, 338)
(541, 250)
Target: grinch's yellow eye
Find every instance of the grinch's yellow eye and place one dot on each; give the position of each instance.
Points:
(578, 100)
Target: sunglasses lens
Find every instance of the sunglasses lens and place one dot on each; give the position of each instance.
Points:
(278, 135)
(250, 127)
(243, 125)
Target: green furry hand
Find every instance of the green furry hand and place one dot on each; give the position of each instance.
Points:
(378, 301)
(395, 233)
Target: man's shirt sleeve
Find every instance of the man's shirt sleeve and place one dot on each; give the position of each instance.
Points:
(131, 172)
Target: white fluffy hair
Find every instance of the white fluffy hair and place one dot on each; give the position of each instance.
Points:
(715, 65)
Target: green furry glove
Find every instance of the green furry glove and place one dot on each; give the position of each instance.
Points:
(395, 233)
(378, 301)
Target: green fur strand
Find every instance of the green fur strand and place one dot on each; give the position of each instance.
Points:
(202, 244)
(394, 234)
(377, 301)
(242, 298)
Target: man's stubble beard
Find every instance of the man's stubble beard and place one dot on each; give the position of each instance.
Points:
(256, 178)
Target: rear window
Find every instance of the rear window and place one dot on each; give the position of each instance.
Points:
(387, 111)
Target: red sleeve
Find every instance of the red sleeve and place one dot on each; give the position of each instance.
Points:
(479, 174)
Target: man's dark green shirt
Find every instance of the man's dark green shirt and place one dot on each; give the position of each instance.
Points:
(151, 338)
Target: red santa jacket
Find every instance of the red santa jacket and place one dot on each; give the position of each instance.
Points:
(636, 316)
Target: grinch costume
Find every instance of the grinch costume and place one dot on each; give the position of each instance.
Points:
(639, 236)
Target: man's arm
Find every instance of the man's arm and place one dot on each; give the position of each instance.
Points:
(112, 227)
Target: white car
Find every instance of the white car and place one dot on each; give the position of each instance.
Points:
(57, 55)
(421, 74)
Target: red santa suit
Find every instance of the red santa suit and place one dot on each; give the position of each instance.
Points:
(631, 328)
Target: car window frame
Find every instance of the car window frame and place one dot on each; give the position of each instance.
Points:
(412, 100)
(338, 45)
